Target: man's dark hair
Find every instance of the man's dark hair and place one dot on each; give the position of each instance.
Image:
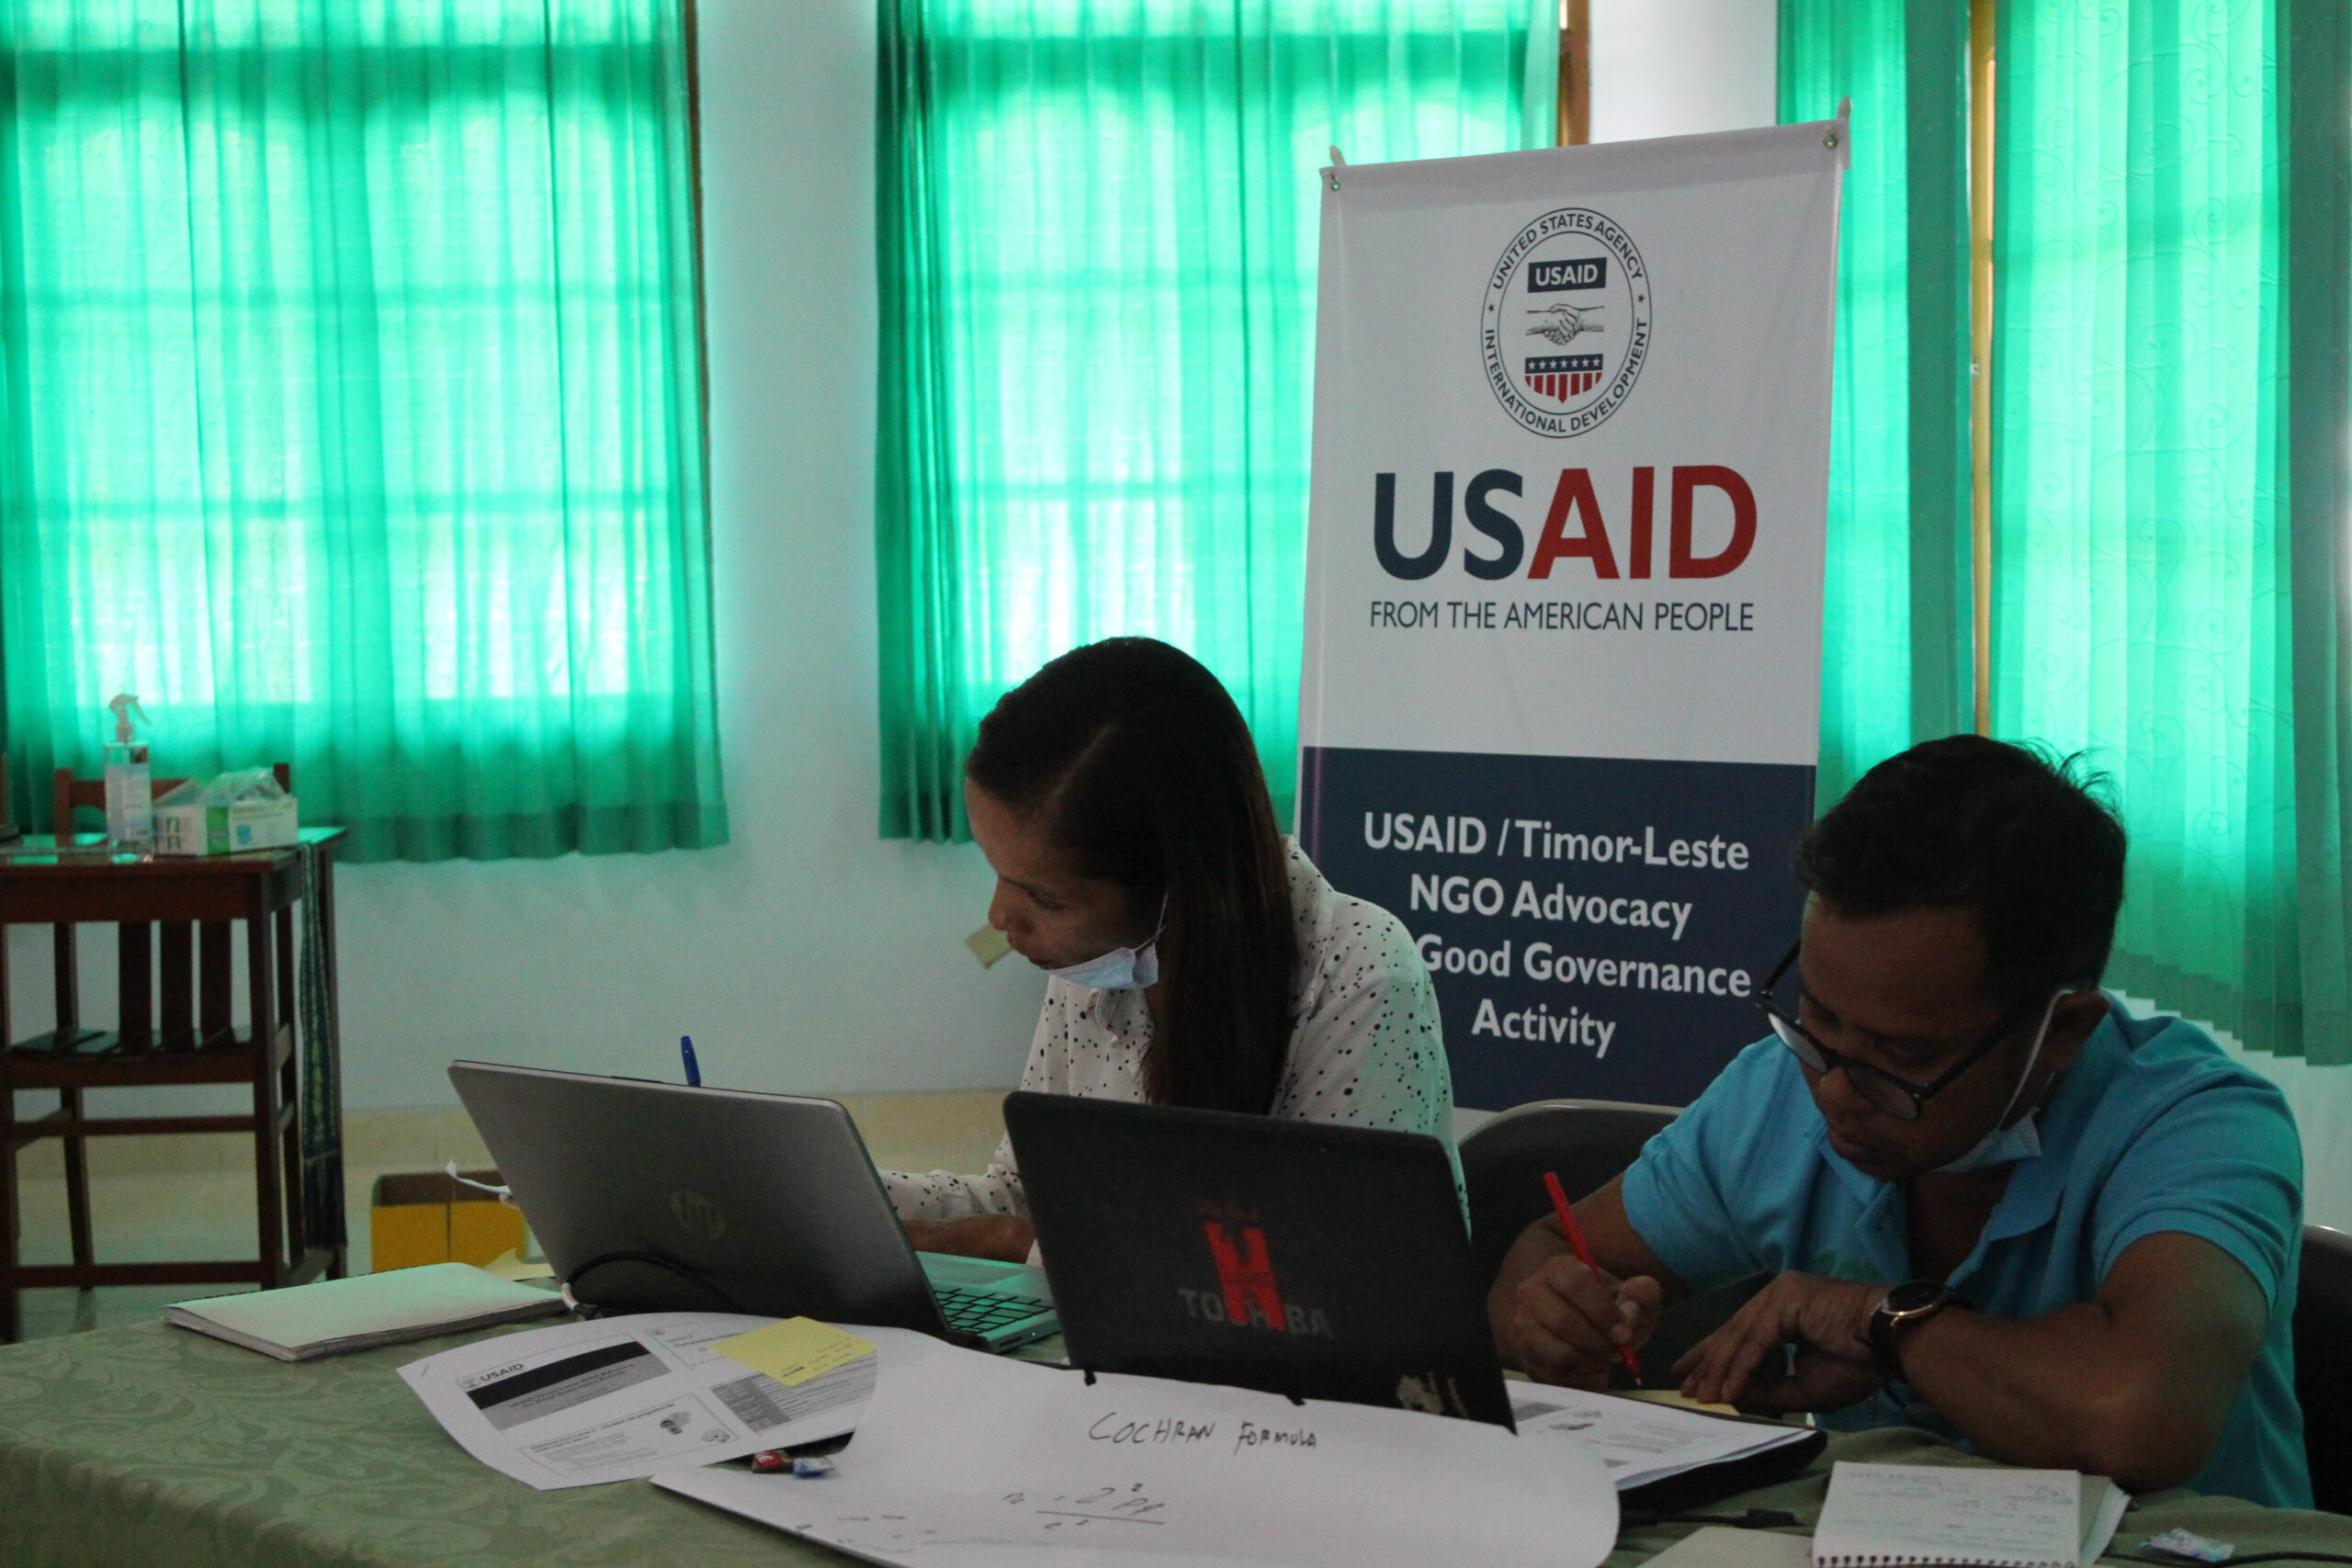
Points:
(2009, 831)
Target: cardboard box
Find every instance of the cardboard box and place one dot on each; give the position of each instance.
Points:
(429, 1218)
(225, 829)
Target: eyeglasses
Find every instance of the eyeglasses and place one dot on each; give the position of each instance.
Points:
(1899, 1098)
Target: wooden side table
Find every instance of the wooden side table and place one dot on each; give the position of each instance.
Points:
(184, 911)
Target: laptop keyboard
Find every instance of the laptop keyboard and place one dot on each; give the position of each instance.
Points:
(981, 1311)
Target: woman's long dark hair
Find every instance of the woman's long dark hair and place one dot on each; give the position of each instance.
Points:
(1134, 759)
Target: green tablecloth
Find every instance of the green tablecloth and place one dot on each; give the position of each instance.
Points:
(150, 1445)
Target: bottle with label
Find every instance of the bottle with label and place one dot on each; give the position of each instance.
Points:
(131, 792)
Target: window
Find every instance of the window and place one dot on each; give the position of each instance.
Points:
(353, 410)
(1097, 246)
(2159, 559)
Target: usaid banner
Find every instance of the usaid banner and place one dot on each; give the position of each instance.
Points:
(1564, 589)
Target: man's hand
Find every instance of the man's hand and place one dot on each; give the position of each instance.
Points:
(1560, 1322)
(1007, 1238)
(1828, 1321)
(1563, 1323)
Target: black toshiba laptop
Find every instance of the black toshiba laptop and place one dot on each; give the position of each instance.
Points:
(1293, 1257)
(657, 1197)
(1318, 1261)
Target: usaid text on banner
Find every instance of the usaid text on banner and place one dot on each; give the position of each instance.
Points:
(1571, 451)
(1596, 926)
(1559, 709)
(1574, 528)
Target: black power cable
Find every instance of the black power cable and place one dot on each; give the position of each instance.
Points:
(653, 1259)
(1754, 1520)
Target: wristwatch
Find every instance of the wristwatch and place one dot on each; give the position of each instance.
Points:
(1905, 1306)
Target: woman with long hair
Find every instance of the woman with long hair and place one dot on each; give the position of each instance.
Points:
(1197, 957)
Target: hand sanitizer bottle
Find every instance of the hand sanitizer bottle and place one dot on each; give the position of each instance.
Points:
(131, 793)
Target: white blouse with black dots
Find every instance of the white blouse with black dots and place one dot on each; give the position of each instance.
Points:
(1367, 1050)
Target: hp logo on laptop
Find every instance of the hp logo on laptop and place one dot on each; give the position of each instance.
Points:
(699, 1215)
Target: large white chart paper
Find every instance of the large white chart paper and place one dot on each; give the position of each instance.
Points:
(970, 1460)
(619, 1398)
(1560, 702)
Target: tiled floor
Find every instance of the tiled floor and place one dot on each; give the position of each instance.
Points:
(192, 1198)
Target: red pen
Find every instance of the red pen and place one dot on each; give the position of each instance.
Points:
(1584, 1254)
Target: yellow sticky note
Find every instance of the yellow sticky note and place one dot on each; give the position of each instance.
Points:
(794, 1350)
(1674, 1397)
(988, 945)
(509, 1265)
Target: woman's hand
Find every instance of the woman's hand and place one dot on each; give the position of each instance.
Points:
(1007, 1238)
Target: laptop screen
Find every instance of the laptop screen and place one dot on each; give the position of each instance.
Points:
(1324, 1262)
(658, 1197)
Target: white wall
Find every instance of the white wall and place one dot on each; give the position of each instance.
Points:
(807, 954)
(2322, 1100)
(1678, 67)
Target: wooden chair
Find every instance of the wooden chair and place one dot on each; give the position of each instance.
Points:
(189, 1039)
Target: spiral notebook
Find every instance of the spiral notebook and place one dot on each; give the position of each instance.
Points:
(1899, 1516)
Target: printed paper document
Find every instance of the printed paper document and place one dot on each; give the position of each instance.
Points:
(1641, 1442)
(966, 1459)
(620, 1398)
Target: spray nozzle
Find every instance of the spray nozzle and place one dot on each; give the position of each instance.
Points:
(122, 707)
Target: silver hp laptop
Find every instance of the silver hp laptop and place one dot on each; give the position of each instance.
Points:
(652, 1197)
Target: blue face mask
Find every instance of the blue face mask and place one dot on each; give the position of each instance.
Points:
(2000, 1145)
(1122, 968)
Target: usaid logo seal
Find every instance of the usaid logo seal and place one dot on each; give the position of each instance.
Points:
(1566, 327)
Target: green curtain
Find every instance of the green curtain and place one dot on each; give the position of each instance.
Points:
(1097, 250)
(350, 410)
(1895, 664)
(2147, 607)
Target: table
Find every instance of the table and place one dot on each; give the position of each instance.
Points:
(186, 907)
(148, 1444)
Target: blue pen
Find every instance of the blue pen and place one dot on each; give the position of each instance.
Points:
(693, 1069)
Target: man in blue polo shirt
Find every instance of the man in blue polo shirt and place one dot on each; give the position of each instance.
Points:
(1992, 1201)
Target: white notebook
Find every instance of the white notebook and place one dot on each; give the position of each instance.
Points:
(1895, 1515)
(367, 1310)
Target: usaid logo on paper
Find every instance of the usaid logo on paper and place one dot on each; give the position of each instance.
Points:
(1560, 367)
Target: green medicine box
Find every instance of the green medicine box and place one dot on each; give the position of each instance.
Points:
(226, 829)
